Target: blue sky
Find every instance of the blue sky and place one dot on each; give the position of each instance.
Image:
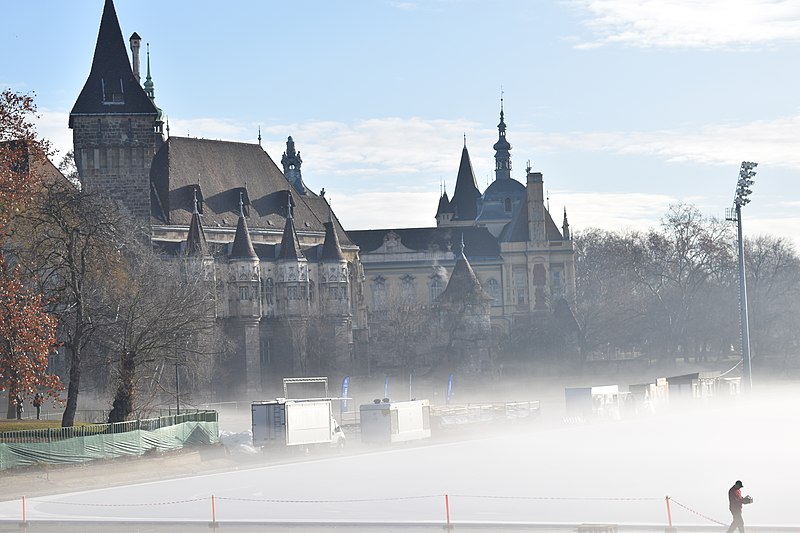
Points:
(626, 106)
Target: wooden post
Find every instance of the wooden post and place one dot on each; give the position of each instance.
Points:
(669, 529)
(213, 523)
(447, 510)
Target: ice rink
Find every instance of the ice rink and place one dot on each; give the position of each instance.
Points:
(615, 472)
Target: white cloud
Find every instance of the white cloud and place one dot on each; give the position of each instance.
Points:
(690, 23)
(773, 141)
(54, 126)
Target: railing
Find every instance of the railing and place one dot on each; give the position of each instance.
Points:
(148, 424)
(485, 412)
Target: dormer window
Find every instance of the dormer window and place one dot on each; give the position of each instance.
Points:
(112, 92)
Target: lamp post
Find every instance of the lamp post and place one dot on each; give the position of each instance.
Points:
(177, 391)
(746, 174)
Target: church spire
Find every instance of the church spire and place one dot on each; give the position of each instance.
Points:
(565, 227)
(502, 147)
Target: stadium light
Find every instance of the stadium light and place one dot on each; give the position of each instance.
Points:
(743, 190)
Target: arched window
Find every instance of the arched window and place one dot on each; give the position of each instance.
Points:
(507, 205)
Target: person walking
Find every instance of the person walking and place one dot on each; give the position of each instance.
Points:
(735, 501)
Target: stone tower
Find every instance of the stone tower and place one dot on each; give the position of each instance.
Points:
(244, 302)
(113, 124)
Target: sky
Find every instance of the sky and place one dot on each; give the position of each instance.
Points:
(625, 106)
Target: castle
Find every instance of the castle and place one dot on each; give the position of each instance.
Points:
(277, 256)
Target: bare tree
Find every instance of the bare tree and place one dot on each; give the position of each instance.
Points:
(164, 317)
(73, 245)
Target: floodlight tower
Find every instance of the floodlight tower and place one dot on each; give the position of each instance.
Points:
(746, 174)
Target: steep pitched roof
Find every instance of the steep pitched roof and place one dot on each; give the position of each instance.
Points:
(517, 229)
(466, 194)
(331, 251)
(444, 205)
(479, 241)
(242, 247)
(463, 285)
(290, 245)
(111, 87)
(196, 244)
(222, 169)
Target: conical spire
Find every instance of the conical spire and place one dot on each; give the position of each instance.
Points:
(466, 194)
(111, 87)
(196, 244)
(290, 244)
(150, 89)
(331, 249)
(242, 244)
(463, 285)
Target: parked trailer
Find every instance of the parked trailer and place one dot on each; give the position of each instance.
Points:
(385, 423)
(295, 423)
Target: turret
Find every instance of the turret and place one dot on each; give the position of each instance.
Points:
(113, 124)
(244, 290)
(465, 197)
(291, 162)
(334, 279)
(291, 282)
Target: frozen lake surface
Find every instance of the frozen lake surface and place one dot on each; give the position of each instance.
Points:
(614, 472)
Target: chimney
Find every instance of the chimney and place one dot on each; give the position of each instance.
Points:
(135, 41)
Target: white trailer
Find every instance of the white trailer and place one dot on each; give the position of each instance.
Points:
(384, 423)
(296, 423)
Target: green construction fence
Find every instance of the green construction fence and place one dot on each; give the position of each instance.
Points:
(105, 441)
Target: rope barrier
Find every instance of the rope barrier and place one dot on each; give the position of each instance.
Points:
(701, 515)
(361, 500)
(599, 498)
(151, 504)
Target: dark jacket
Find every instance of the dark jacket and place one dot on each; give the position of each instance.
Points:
(735, 499)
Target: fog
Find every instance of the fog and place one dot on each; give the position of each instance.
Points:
(548, 471)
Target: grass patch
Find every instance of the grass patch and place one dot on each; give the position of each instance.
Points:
(24, 425)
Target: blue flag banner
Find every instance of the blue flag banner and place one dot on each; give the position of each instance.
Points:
(386, 387)
(345, 390)
(449, 389)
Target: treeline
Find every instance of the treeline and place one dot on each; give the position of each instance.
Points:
(80, 281)
(672, 291)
